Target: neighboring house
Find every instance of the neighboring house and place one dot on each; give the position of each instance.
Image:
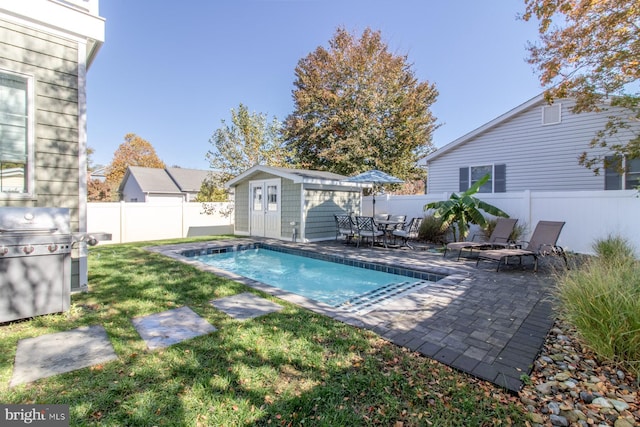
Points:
(98, 174)
(46, 47)
(533, 147)
(291, 204)
(155, 185)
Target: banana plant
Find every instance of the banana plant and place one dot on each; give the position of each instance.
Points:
(463, 209)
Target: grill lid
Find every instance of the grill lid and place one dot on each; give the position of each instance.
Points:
(31, 221)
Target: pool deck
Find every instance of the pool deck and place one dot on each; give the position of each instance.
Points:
(489, 324)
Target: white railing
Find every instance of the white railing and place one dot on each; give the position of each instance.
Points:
(589, 215)
(135, 222)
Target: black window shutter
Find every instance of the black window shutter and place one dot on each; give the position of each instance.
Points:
(464, 179)
(500, 178)
(612, 178)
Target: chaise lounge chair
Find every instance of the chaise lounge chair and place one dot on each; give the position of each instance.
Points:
(499, 238)
(543, 242)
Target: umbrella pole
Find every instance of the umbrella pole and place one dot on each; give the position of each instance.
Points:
(374, 205)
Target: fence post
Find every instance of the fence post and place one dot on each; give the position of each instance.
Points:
(122, 221)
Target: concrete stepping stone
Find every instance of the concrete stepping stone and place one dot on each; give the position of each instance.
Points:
(60, 352)
(170, 327)
(245, 306)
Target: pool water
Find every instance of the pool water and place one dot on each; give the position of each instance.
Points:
(324, 281)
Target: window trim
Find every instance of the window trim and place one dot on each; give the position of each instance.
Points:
(468, 182)
(611, 173)
(31, 110)
(549, 107)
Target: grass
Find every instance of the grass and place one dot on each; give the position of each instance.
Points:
(293, 367)
(601, 299)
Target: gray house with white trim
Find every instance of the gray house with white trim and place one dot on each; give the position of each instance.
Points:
(157, 185)
(288, 204)
(534, 146)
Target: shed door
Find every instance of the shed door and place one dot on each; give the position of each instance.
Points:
(265, 208)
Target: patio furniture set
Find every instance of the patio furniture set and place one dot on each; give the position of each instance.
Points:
(498, 247)
(377, 229)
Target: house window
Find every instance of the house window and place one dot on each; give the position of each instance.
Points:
(629, 179)
(497, 182)
(551, 114)
(15, 135)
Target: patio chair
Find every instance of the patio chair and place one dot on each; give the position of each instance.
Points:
(499, 238)
(345, 227)
(367, 228)
(409, 231)
(543, 242)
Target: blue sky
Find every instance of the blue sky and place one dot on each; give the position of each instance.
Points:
(170, 71)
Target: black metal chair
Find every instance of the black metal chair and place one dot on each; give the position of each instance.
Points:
(409, 232)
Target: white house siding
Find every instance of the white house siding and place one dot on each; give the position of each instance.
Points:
(537, 157)
(53, 63)
(321, 204)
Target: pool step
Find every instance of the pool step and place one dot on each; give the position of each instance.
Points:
(369, 301)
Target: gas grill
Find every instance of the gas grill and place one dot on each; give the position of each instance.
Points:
(35, 262)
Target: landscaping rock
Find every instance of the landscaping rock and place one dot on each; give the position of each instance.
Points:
(570, 388)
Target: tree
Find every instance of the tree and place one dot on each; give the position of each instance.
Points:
(250, 140)
(357, 107)
(464, 209)
(595, 58)
(134, 151)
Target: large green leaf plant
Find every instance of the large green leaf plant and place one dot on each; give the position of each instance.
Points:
(463, 209)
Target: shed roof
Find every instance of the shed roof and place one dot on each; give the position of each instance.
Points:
(296, 175)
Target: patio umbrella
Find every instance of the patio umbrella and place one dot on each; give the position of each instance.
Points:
(374, 177)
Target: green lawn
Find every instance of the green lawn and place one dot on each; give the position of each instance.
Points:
(293, 367)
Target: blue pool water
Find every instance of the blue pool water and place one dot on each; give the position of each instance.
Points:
(323, 281)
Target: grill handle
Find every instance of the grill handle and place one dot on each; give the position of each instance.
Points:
(27, 230)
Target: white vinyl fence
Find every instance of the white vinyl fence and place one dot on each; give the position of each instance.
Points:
(589, 215)
(135, 222)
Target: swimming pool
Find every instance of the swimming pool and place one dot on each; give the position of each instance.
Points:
(335, 281)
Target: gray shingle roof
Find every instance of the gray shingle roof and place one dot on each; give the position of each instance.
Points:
(153, 180)
(188, 180)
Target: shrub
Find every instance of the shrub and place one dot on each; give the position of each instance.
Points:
(433, 230)
(601, 299)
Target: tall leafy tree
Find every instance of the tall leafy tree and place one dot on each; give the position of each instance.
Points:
(249, 140)
(358, 107)
(590, 50)
(134, 151)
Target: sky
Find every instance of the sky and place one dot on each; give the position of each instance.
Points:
(171, 71)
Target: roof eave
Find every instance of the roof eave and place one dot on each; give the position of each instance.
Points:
(463, 139)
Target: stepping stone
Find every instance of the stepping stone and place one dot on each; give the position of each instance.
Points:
(170, 327)
(245, 306)
(60, 352)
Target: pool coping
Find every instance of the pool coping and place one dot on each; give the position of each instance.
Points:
(490, 325)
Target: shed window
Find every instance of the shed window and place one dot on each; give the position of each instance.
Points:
(15, 135)
(497, 182)
(629, 179)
